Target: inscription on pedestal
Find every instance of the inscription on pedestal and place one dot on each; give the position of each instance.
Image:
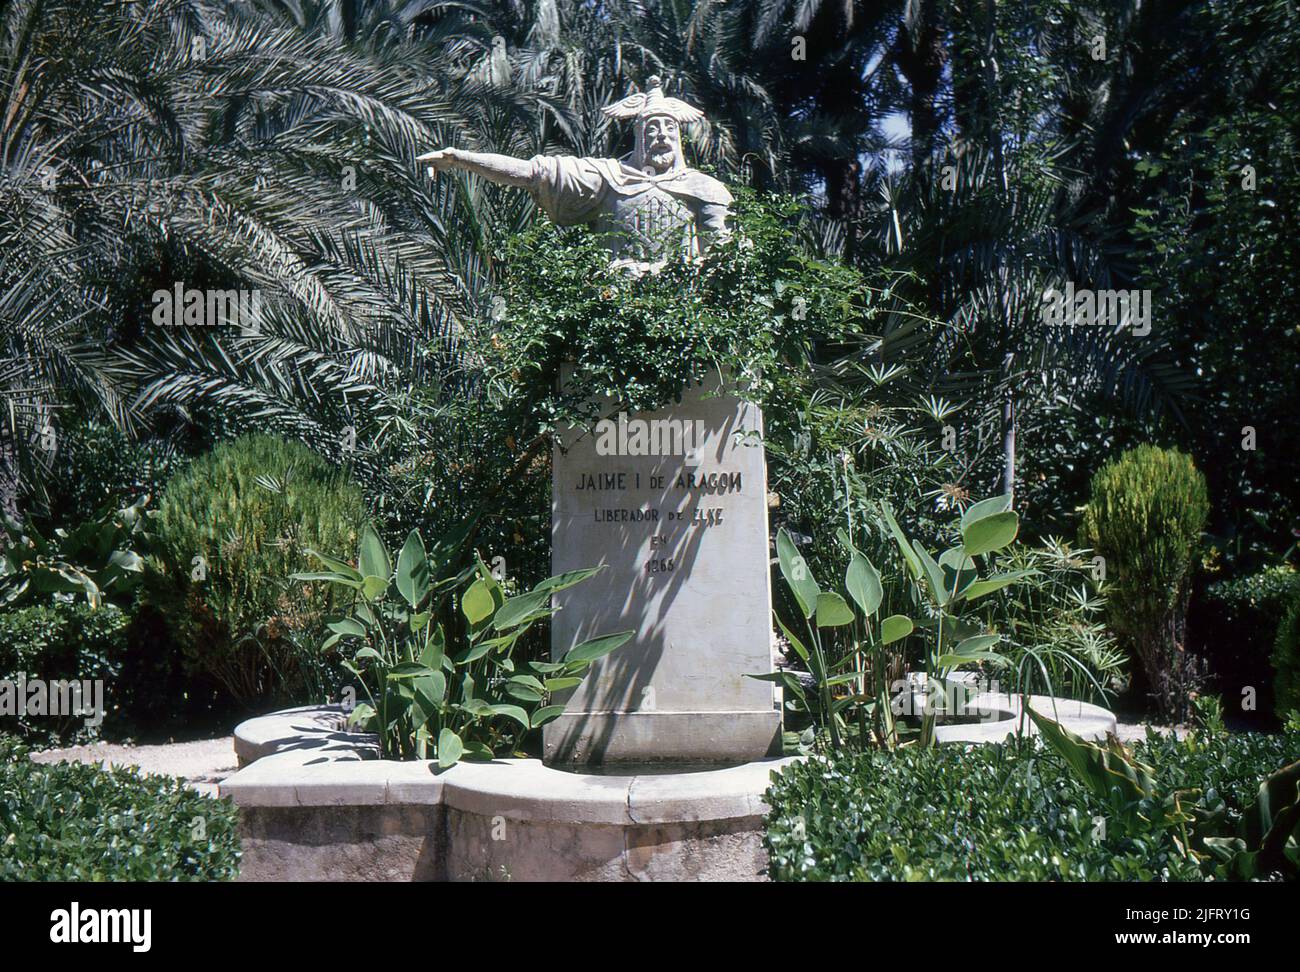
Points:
(674, 503)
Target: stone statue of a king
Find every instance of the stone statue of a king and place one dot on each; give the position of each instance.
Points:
(646, 204)
(680, 531)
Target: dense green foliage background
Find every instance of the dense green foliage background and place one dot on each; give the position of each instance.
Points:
(1286, 660)
(947, 162)
(911, 177)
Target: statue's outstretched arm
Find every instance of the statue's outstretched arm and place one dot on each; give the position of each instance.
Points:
(503, 169)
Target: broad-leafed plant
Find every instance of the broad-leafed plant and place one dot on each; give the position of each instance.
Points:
(96, 558)
(846, 653)
(950, 584)
(434, 650)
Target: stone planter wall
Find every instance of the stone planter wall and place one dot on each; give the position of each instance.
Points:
(317, 804)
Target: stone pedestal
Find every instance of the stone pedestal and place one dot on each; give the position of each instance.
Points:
(674, 504)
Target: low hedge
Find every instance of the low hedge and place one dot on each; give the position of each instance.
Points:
(73, 822)
(1007, 812)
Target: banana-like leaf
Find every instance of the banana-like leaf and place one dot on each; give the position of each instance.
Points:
(988, 507)
(995, 583)
(976, 643)
(990, 533)
(1110, 772)
(933, 575)
(545, 714)
(832, 610)
(450, 749)
(372, 555)
(566, 580)
(862, 581)
(513, 712)
(894, 628)
(1267, 837)
(904, 546)
(787, 680)
(373, 587)
(965, 658)
(524, 607)
(796, 573)
(476, 603)
(594, 648)
(338, 566)
(413, 570)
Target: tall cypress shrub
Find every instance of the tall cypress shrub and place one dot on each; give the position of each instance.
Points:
(1145, 516)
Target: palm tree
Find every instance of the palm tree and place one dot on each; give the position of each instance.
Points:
(224, 146)
(980, 256)
(58, 102)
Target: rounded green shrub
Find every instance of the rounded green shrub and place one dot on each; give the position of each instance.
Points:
(1145, 517)
(72, 822)
(230, 530)
(1286, 660)
(61, 639)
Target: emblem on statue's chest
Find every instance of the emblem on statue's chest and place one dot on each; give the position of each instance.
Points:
(652, 222)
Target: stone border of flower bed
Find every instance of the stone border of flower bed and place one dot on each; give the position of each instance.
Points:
(1081, 718)
(316, 804)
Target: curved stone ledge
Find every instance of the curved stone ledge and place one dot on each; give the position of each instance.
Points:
(318, 728)
(1081, 718)
(316, 803)
(526, 789)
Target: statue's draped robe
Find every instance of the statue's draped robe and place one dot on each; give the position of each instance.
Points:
(646, 216)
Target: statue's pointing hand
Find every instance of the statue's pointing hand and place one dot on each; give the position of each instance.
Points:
(502, 169)
(439, 160)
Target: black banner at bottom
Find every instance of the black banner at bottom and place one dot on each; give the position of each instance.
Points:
(351, 922)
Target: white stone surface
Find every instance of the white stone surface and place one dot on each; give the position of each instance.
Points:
(1081, 718)
(683, 538)
(319, 728)
(313, 811)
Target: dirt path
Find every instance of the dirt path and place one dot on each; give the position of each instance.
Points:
(201, 764)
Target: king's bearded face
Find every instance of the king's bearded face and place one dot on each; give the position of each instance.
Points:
(662, 143)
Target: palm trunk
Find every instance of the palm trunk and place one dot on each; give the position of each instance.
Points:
(1004, 300)
(8, 477)
(922, 57)
(1008, 426)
